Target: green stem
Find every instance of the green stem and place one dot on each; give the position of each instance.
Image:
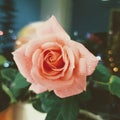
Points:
(103, 85)
(90, 115)
(7, 90)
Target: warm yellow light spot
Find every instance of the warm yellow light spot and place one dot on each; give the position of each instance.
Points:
(110, 59)
(18, 43)
(112, 64)
(115, 69)
(1, 33)
(109, 52)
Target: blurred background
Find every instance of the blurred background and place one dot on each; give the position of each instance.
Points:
(96, 23)
(90, 21)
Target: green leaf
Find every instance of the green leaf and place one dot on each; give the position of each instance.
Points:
(67, 109)
(37, 104)
(49, 100)
(70, 108)
(101, 73)
(20, 82)
(54, 114)
(19, 85)
(8, 74)
(2, 60)
(114, 85)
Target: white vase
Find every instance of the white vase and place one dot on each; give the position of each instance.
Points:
(25, 111)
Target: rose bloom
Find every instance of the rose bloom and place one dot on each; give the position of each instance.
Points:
(51, 61)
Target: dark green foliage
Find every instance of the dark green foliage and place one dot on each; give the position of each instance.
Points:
(8, 74)
(19, 87)
(57, 108)
(4, 99)
(114, 85)
(101, 73)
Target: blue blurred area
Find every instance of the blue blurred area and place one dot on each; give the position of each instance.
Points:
(92, 15)
(14, 15)
(27, 11)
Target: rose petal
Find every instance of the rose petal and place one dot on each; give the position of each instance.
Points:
(37, 88)
(51, 46)
(31, 47)
(48, 74)
(35, 56)
(91, 60)
(82, 66)
(78, 86)
(48, 83)
(43, 41)
(52, 26)
(68, 73)
(24, 64)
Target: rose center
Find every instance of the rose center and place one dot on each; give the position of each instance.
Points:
(53, 60)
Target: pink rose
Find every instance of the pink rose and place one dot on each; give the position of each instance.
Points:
(52, 61)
